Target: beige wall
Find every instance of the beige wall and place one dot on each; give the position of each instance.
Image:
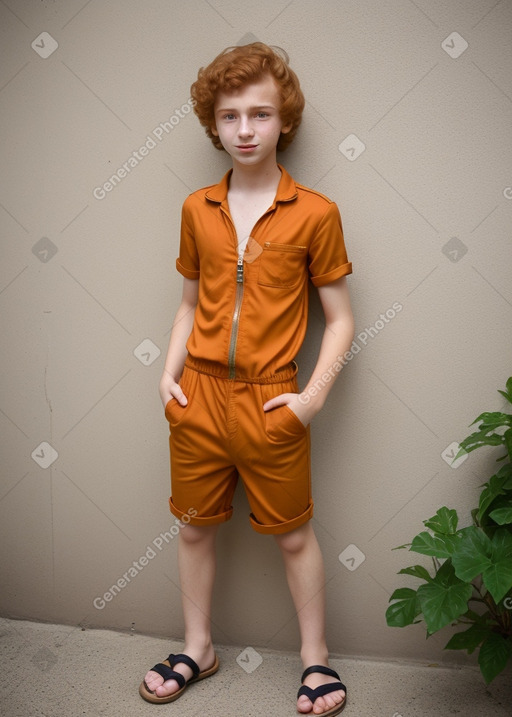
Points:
(436, 166)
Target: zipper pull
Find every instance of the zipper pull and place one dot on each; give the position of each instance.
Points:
(240, 271)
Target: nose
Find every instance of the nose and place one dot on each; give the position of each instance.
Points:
(244, 128)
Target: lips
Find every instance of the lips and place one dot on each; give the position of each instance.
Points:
(246, 146)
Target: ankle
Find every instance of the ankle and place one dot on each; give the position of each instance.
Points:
(314, 655)
(198, 643)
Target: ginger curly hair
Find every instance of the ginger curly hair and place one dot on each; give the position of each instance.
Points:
(238, 66)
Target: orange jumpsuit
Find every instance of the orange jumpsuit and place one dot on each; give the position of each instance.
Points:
(249, 324)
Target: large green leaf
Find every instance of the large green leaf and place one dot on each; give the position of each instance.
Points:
(472, 555)
(404, 610)
(469, 639)
(508, 442)
(444, 521)
(508, 392)
(497, 485)
(439, 546)
(494, 655)
(497, 576)
(476, 555)
(486, 434)
(502, 516)
(444, 599)
(493, 419)
(418, 571)
(507, 470)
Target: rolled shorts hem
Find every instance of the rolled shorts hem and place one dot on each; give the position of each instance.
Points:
(279, 528)
(198, 520)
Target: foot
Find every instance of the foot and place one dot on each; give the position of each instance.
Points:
(155, 682)
(321, 704)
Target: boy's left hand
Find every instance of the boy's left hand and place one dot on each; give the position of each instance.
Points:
(305, 411)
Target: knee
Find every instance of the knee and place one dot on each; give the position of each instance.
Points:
(295, 541)
(192, 534)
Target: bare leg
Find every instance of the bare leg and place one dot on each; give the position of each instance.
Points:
(197, 562)
(306, 579)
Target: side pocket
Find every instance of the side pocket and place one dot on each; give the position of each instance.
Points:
(174, 411)
(169, 406)
(295, 418)
(281, 423)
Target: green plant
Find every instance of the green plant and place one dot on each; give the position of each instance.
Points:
(471, 584)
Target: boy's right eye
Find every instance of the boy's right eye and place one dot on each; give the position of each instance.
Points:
(229, 116)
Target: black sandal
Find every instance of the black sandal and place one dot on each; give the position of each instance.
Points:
(164, 669)
(323, 690)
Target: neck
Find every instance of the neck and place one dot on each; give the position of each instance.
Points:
(256, 177)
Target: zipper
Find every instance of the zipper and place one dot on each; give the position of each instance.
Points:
(236, 315)
(238, 298)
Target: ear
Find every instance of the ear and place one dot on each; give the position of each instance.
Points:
(213, 130)
(286, 128)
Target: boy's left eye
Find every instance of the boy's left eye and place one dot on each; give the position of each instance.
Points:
(262, 114)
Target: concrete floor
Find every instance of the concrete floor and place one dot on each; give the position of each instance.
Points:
(58, 670)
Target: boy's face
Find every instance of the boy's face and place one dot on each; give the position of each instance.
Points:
(247, 121)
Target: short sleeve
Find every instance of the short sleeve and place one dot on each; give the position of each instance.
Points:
(327, 254)
(188, 261)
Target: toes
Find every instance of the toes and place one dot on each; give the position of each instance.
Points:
(338, 697)
(330, 701)
(153, 680)
(155, 683)
(319, 706)
(322, 704)
(167, 688)
(304, 704)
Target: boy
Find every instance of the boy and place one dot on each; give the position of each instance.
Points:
(248, 246)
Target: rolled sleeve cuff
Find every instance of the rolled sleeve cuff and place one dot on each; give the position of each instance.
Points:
(187, 273)
(337, 273)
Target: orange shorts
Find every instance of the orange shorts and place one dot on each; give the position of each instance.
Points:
(223, 433)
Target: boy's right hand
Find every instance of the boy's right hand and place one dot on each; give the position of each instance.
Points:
(169, 388)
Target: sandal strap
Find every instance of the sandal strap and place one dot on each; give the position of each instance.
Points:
(320, 691)
(168, 673)
(321, 669)
(174, 659)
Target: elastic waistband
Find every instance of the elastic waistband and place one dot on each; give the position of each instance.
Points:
(212, 368)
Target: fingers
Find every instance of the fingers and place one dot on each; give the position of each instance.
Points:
(173, 391)
(180, 396)
(280, 400)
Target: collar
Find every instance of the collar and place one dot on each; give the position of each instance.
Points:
(286, 189)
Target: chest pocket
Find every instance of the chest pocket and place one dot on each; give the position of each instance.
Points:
(282, 266)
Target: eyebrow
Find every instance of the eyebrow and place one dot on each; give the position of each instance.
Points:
(257, 107)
